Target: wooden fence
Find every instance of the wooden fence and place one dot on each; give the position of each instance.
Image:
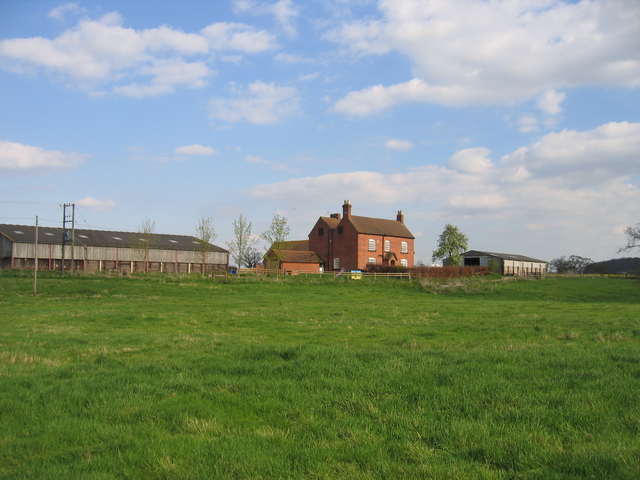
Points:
(345, 274)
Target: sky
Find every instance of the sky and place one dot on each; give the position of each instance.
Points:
(517, 121)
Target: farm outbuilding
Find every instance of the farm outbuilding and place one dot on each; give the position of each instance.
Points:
(99, 251)
(506, 263)
(294, 257)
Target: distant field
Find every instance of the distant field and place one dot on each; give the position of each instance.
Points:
(162, 377)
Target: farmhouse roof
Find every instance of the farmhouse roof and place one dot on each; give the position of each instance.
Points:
(100, 238)
(380, 226)
(331, 221)
(503, 256)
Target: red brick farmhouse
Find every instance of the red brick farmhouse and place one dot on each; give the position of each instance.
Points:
(351, 242)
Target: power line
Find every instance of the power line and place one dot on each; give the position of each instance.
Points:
(30, 203)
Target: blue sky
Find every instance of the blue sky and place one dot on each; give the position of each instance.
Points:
(517, 121)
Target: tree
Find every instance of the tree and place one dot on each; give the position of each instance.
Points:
(276, 236)
(244, 241)
(451, 244)
(147, 239)
(252, 258)
(205, 236)
(573, 264)
(633, 238)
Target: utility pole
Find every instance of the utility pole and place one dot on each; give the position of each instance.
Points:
(66, 234)
(73, 238)
(35, 262)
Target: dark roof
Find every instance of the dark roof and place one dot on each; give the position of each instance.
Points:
(299, 257)
(380, 226)
(331, 222)
(296, 245)
(100, 238)
(503, 256)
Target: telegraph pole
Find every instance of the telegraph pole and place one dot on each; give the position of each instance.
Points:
(66, 234)
(73, 238)
(35, 261)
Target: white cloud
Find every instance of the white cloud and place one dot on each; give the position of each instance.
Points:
(135, 62)
(397, 144)
(238, 36)
(530, 48)
(196, 149)
(550, 102)
(96, 205)
(261, 161)
(60, 12)
(291, 58)
(471, 161)
(528, 123)
(284, 12)
(592, 157)
(27, 159)
(259, 103)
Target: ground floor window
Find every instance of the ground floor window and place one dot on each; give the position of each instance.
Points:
(371, 260)
(336, 263)
(404, 263)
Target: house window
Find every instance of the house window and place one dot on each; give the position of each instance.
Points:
(404, 248)
(387, 246)
(371, 260)
(340, 229)
(336, 263)
(404, 263)
(321, 231)
(372, 245)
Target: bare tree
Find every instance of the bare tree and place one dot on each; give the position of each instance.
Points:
(252, 258)
(573, 264)
(244, 241)
(205, 236)
(276, 237)
(147, 239)
(633, 238)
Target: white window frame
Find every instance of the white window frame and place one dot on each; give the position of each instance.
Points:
(404, 247)
(372, 245)
(387, 246)
(336, 263)
(371, 261)
(404, 262)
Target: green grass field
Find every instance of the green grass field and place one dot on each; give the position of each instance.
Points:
(181, 378)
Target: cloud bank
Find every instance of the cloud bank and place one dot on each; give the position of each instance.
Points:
(138, 63)
(548, 187)
(486, 53)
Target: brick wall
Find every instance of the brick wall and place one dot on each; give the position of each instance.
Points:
(301, 267)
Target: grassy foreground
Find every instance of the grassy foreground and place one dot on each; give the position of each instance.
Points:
(181, 378)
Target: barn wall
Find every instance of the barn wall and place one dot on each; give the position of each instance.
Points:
(108, 258)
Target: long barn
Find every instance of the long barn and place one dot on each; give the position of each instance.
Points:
(104, 251)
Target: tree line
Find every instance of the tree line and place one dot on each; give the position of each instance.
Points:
(242, 248)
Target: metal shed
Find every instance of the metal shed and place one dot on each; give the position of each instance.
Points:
(97, 251)
(506, 263)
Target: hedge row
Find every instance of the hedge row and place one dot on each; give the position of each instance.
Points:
(448, 272)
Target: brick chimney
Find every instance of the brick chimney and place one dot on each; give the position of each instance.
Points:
(346, 209)
(400, 217)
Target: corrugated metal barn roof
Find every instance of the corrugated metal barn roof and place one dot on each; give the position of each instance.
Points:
(100, 238)
(504, 256)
